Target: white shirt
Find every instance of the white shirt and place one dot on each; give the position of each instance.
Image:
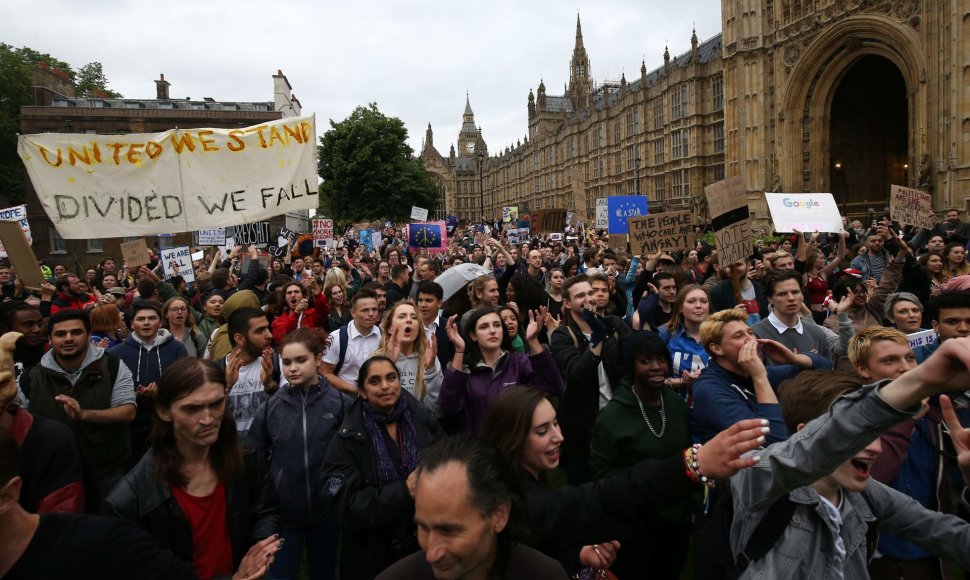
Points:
(432, 327)
(781, 327)
(360, 349)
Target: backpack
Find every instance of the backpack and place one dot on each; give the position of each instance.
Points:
(715, 560)
(344, 339)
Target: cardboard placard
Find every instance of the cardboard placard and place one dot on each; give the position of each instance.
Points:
(547, 221)
(177, 262)
(419, 214)
(666, 232)
(805, 212)
(911, 207)
(136, 253)
(733, 242)
(728, 207)
(20, 254)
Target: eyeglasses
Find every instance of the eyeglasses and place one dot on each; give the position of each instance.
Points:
(178, 309)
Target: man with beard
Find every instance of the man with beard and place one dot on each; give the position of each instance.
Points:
(148, 351)
(70, 296)
(251, 368)
(88, 389)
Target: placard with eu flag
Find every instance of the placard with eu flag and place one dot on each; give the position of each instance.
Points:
(621, 207)
(430, 236)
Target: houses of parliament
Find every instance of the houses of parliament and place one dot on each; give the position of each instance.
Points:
(841, 96)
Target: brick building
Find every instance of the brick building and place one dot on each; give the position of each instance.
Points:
(56, 109)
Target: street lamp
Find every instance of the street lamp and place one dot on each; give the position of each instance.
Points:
(636, 164)
(481, 183)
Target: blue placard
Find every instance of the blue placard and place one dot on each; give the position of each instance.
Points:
(621, 207)
(365, 239)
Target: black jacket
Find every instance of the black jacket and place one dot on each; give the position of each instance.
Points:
(147, 502)
(579, 404)
(722, 297)
(616, 508)
(377, 522)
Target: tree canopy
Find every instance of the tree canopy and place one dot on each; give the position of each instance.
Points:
(16, 66)
(369, 172)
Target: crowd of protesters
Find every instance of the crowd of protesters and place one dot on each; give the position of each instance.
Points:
(549, 409)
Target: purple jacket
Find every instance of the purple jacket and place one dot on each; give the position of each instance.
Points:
(472, 392)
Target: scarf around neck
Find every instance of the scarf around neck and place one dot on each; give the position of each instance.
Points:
(389, 469)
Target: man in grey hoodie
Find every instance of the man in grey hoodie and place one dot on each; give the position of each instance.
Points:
(147, 352)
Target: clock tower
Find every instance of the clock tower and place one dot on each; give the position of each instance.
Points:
(470, 136)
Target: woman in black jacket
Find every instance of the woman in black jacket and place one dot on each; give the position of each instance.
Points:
(580, 525)
(369, 468)
(198, 466)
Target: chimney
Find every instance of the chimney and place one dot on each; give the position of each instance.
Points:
(282, 94)
(161, 88)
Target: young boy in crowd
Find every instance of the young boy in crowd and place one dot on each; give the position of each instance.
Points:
(824, 470)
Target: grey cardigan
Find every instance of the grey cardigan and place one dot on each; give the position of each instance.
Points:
(806, 548)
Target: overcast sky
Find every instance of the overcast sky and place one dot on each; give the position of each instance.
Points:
(415, 59)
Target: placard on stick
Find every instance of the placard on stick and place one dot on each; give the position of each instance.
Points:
(911, 207)
(135, 253)
(20, 254)
(729, 219)
(667, 232)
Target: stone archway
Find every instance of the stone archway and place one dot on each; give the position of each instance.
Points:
(877, 44)
(868, 135)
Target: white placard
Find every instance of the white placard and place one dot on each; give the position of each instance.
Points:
(177, 262)
(807, 212)
(376, 240)
(921, 338)
(213, 237)
(16, 213)
(180, 180)
(200, 255)
(602, 213)
(419, 214)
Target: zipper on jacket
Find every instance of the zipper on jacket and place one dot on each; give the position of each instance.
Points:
(306, 453)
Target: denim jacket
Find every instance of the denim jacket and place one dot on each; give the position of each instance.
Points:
(806, 549)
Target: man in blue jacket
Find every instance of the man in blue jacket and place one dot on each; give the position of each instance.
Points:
(147, 352)
(736, 384)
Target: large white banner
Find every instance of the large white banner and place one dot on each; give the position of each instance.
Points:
(181, 180)
(806, 212)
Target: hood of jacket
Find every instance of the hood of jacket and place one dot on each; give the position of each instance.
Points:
(92, 354)
(161, 338)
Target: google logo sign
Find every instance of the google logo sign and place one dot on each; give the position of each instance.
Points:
(806, 204)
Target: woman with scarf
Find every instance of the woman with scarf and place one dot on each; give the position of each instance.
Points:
(368, 473)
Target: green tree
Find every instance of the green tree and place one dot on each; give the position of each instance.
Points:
(369, 172)
(91, 78)
(16, 66)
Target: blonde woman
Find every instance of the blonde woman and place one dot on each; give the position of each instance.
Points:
(404, 341)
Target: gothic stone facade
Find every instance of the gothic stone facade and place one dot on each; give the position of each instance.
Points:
(795, 96)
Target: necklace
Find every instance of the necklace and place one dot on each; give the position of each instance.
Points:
(663, 415)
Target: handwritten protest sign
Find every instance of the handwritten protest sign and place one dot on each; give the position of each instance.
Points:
(248, 234)
(17, 213)
(176, 181)
(806, 212)
(213, 237)
(602, 213)
(547, 221)
(20, 254)
(419, 213)
(729, 219)
(911, 207)
(135, 253)
(282, 243)
(921, 338)
(322, 231)
(667, 232)
(177, 262)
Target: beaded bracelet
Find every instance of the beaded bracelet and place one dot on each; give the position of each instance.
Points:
(693, 467)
